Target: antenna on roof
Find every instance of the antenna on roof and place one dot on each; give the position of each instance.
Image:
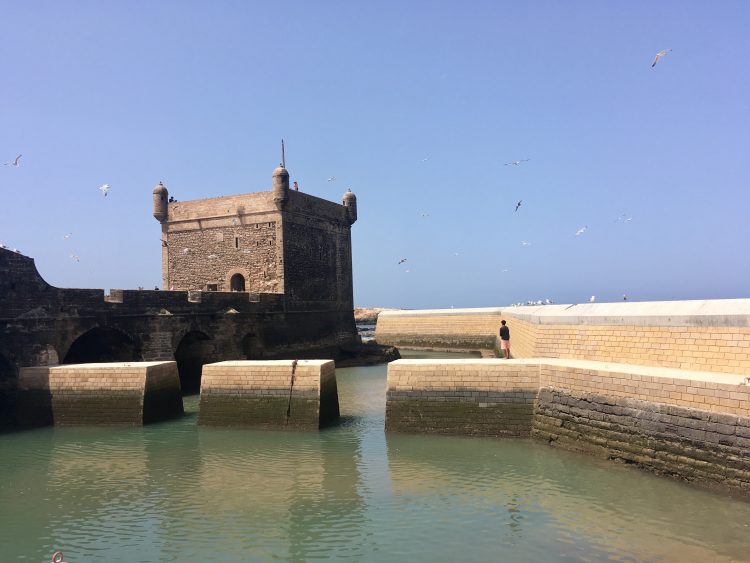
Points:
(283, 161)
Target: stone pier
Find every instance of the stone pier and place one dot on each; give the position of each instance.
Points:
(118, 393)
(691, 424)
(280, 394)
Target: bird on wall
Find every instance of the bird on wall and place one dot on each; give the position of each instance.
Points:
(520, 201)
(516, 162)
(164, 243)
(659, 55)
(13, 162)
(104, 188)
(592, 298)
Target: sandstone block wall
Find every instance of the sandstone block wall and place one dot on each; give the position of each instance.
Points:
(695, 425)
(99, 394)
(487, 397)
(270, 394)
(439, 328)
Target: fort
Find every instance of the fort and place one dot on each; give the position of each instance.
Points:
(264, 275)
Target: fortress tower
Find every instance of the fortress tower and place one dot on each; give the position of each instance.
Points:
(276, 241)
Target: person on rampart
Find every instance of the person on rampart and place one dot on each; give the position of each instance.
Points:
(505, 339)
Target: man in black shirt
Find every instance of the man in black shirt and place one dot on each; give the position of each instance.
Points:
(505, 339)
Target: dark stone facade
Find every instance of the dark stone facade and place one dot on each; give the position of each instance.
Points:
(45, 325)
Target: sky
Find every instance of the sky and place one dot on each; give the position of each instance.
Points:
(417, 106)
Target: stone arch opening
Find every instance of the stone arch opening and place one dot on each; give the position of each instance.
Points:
(252, 347)
(103, 344)
(237, 282)
(195, 349)
(8, 383)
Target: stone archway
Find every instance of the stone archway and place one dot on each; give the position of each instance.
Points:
(103, 344)
(252, 347)
(195, 349)
(237, 282)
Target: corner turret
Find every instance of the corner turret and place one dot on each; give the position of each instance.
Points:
(350, 202)
(161, 196)
(280, 186)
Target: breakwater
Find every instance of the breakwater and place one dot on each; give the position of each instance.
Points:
(695, 425)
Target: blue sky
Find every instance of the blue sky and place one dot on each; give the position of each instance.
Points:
(416, 106)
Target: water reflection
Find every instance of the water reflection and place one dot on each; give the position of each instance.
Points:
(175, 491)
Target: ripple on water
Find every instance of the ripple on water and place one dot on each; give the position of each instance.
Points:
(175, 491)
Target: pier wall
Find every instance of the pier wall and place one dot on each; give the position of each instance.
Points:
(439, 328)
(711, 335)
(690, 424)
(270, 394)
(129, 394)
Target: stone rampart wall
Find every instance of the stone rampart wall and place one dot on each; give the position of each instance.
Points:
(274, 394)
(439, 328)
(709, 335)
(100, 394)
(695, 425)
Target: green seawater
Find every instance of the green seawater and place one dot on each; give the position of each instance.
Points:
(177, 492)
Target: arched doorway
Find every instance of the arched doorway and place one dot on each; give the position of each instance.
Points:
(237, 282)
(102, 345)
(252, 347)
(8, 382)
(195, 349)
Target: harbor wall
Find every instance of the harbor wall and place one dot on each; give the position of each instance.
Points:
(690, 424)
(118, 393)
(710, 335)
(271, 394)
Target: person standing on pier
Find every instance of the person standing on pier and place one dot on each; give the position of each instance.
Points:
(505, 339)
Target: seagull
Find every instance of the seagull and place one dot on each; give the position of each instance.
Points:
(520, 201)
(185, 250)
(516, 162)
(425, 159)
(425, 214)
(212, 256)
(524, 243)
(506, 270)
(235, 222)
(624, 297)
(332, 179)
(581, 231)
(407, 271)
(75, 257)
(104, 188)
(164, 243)
(624, 218)
(659, 55)
(13, 162)
(592, 298)
(68, 235)
(402, 261)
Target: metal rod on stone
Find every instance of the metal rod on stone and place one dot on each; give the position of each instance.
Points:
(283, 160)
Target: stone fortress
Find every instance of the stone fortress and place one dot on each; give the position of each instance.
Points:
(265, 275)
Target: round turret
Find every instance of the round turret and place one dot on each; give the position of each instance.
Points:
(280, 185)
(350, 202)
(161, 196)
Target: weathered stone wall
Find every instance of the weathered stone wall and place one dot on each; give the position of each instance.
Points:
(100, 394)
(695, 425)
(439, 328)
(275, 394)
(711, 335)
(485, 397)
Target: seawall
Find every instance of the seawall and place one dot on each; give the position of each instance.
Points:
(710, 335)
(695, 425)
(270, 394)
(119, 393)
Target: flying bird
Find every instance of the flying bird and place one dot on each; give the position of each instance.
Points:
(516, 162)
(524, 243)
(75, 257)
(68, 235)
(104, 188)
(425, 214)
(13, 162)
(402, 261)
(332, 179)
(581, 231)
(659, 55)
(425, 159)
(592, 298)
(520, 201)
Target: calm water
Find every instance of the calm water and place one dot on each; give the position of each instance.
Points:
(176, 492)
